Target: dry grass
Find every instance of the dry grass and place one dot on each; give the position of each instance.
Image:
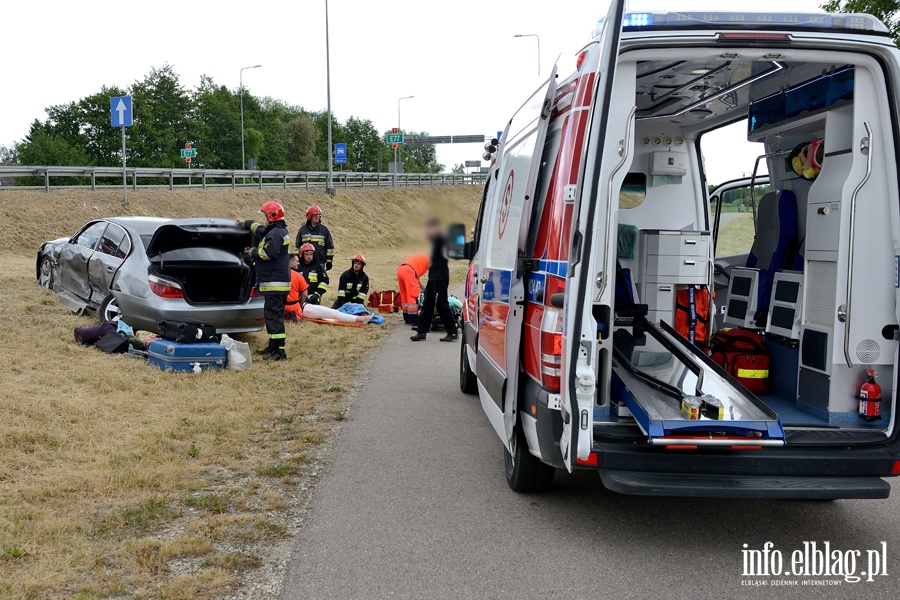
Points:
(111, 470)
(736, 237)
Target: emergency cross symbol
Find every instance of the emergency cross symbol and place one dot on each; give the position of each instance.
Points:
(505, 202)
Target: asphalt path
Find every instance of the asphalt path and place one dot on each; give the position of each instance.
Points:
(415, 505)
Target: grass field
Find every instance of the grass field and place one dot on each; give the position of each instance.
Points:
(117, 480)
(736, 236)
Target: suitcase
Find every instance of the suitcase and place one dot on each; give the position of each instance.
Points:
(187, 331)
(173, 356)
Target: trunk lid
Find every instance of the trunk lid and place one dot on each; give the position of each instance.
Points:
(212, 234)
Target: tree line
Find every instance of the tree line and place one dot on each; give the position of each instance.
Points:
(167, 115)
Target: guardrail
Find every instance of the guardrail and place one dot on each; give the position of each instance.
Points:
(236, 178)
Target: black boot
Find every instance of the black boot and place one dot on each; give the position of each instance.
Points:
(419, 337)
(276, 355)
(267, 350)
(450, 337)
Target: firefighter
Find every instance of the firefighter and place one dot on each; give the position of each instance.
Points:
(273, 272)
(436, 292)
(354, 285)
(297, 297)
(409, 274)
(315, 233)
(314, 273)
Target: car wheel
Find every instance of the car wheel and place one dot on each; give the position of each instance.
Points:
(46, 275)
(524, 472)
(468, 383)
(109, 309)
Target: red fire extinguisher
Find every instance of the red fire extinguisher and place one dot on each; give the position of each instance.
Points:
(870, 399)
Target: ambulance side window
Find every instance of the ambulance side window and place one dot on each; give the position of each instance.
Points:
(480, 220)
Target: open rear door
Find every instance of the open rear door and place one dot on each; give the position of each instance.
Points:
(589, 291)
(501, 312)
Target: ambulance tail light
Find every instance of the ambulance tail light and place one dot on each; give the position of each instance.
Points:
(551, 348)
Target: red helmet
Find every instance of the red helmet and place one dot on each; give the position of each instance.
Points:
(313, 210)
(307, 247)
(272, 210)
(360, 258)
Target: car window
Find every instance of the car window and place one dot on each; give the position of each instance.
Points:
(90, 234)
(634, 191)
(115, 242)
(736, 230)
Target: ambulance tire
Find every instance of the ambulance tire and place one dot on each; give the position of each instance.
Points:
(524, 472)
(468, 383)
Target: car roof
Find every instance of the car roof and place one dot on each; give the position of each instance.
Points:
(149, 225)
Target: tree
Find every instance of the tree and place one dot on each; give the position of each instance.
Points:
(8, 155)
(363, 143)
(886, 10)
(302, 138)
(323, 152)
(420, 158)
(459, 169)
(162, 120)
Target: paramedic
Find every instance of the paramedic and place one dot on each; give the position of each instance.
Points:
(315, 233)
(354, 284)
(408, 275)
(297, 296)
(313, 272)
(436, 294)
(273, 272)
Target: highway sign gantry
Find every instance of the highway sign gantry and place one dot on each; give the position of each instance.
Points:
(120, 113)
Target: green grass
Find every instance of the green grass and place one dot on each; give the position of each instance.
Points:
(736, 237)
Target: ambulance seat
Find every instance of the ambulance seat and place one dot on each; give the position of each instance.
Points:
(775, 244)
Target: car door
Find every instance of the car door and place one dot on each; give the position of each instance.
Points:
(586, 357)
(111, 251)
(74, 258)
(501, 311)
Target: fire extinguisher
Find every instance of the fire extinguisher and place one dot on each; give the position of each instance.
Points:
(870, 399)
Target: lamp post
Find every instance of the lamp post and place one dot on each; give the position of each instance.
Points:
(538, 38)
(243, 160)
(397, 154)
(329, 184)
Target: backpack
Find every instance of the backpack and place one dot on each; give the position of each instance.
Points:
(742, 354)
(692, 314)
(385, 302)
(186, 331)
(114, 342)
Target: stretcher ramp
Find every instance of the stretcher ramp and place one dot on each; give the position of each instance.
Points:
(678, 397)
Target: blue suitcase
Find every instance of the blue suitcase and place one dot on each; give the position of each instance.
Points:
(172, 357)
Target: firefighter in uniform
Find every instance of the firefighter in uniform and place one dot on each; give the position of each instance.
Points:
(314, 273)
(315, 233)
(354, 285)
(293, 310)
(273, 272)
(408, 275)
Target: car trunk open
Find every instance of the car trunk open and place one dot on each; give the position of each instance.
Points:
(205, 258)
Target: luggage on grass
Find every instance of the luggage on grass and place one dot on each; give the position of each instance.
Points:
(90, 334)
(173, 356)
(186, 331)
(114, 342)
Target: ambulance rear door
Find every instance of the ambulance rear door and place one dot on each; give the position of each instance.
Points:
(587, 351)
(502, 308)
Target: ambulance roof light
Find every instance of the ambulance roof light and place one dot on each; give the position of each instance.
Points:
(634, 21)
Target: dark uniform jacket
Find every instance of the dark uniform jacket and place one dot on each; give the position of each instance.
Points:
(316, 277)
(270, 255)
(354, 287)
(321, 240)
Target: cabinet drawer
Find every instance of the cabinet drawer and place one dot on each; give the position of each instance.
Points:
(677, 244)
(659, 296)
(687, 270)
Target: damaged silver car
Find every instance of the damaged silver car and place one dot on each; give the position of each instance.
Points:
(148, 269)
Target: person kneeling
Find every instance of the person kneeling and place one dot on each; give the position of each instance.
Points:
(298, 295)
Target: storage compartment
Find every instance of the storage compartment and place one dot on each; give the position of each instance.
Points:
(206, 275)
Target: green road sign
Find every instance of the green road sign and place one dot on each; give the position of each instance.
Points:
(188, 153)
(395, 138)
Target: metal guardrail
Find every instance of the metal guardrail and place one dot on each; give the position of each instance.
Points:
(237, 178)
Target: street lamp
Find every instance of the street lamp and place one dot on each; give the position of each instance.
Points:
(243, 160)
(329, 184)
(397, 150)
(538, 38)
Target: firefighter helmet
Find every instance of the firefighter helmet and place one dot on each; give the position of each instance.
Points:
(273, 210)
(360, 258)
(307, 247)
(313, 210)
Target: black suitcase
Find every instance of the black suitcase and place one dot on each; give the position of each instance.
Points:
(187, 331)
(114, 342)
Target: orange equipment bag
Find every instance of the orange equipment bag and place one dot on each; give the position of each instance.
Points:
(742, 354)
(692, 308)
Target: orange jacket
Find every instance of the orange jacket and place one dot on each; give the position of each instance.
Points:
(298, 286)
(418, 262)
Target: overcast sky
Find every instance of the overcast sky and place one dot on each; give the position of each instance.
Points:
(457, 57)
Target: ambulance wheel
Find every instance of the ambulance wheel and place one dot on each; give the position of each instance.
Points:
(468, 383)
(525, 473)
(109, 309)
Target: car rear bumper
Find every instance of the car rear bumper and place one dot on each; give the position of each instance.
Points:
(145, 313)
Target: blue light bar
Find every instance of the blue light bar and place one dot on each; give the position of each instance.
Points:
(635, 21)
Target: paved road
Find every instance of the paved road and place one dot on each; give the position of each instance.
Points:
(415, 505)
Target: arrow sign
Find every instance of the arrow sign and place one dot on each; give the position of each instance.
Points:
(120, 111)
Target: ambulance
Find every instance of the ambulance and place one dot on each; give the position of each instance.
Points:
(600, 280)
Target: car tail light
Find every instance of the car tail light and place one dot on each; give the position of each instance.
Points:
(165, 288)
(895, 470)
(551, 348)
(254, 293)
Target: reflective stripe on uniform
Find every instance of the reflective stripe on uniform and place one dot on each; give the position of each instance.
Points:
(275, 286)
(261, 250)
(277, 336)
(753, 373)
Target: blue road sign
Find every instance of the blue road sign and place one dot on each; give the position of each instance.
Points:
(340, 154)
(120, 111)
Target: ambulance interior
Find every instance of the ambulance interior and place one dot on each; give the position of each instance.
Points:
(806, 261)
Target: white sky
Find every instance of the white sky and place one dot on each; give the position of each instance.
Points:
(458, 57)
